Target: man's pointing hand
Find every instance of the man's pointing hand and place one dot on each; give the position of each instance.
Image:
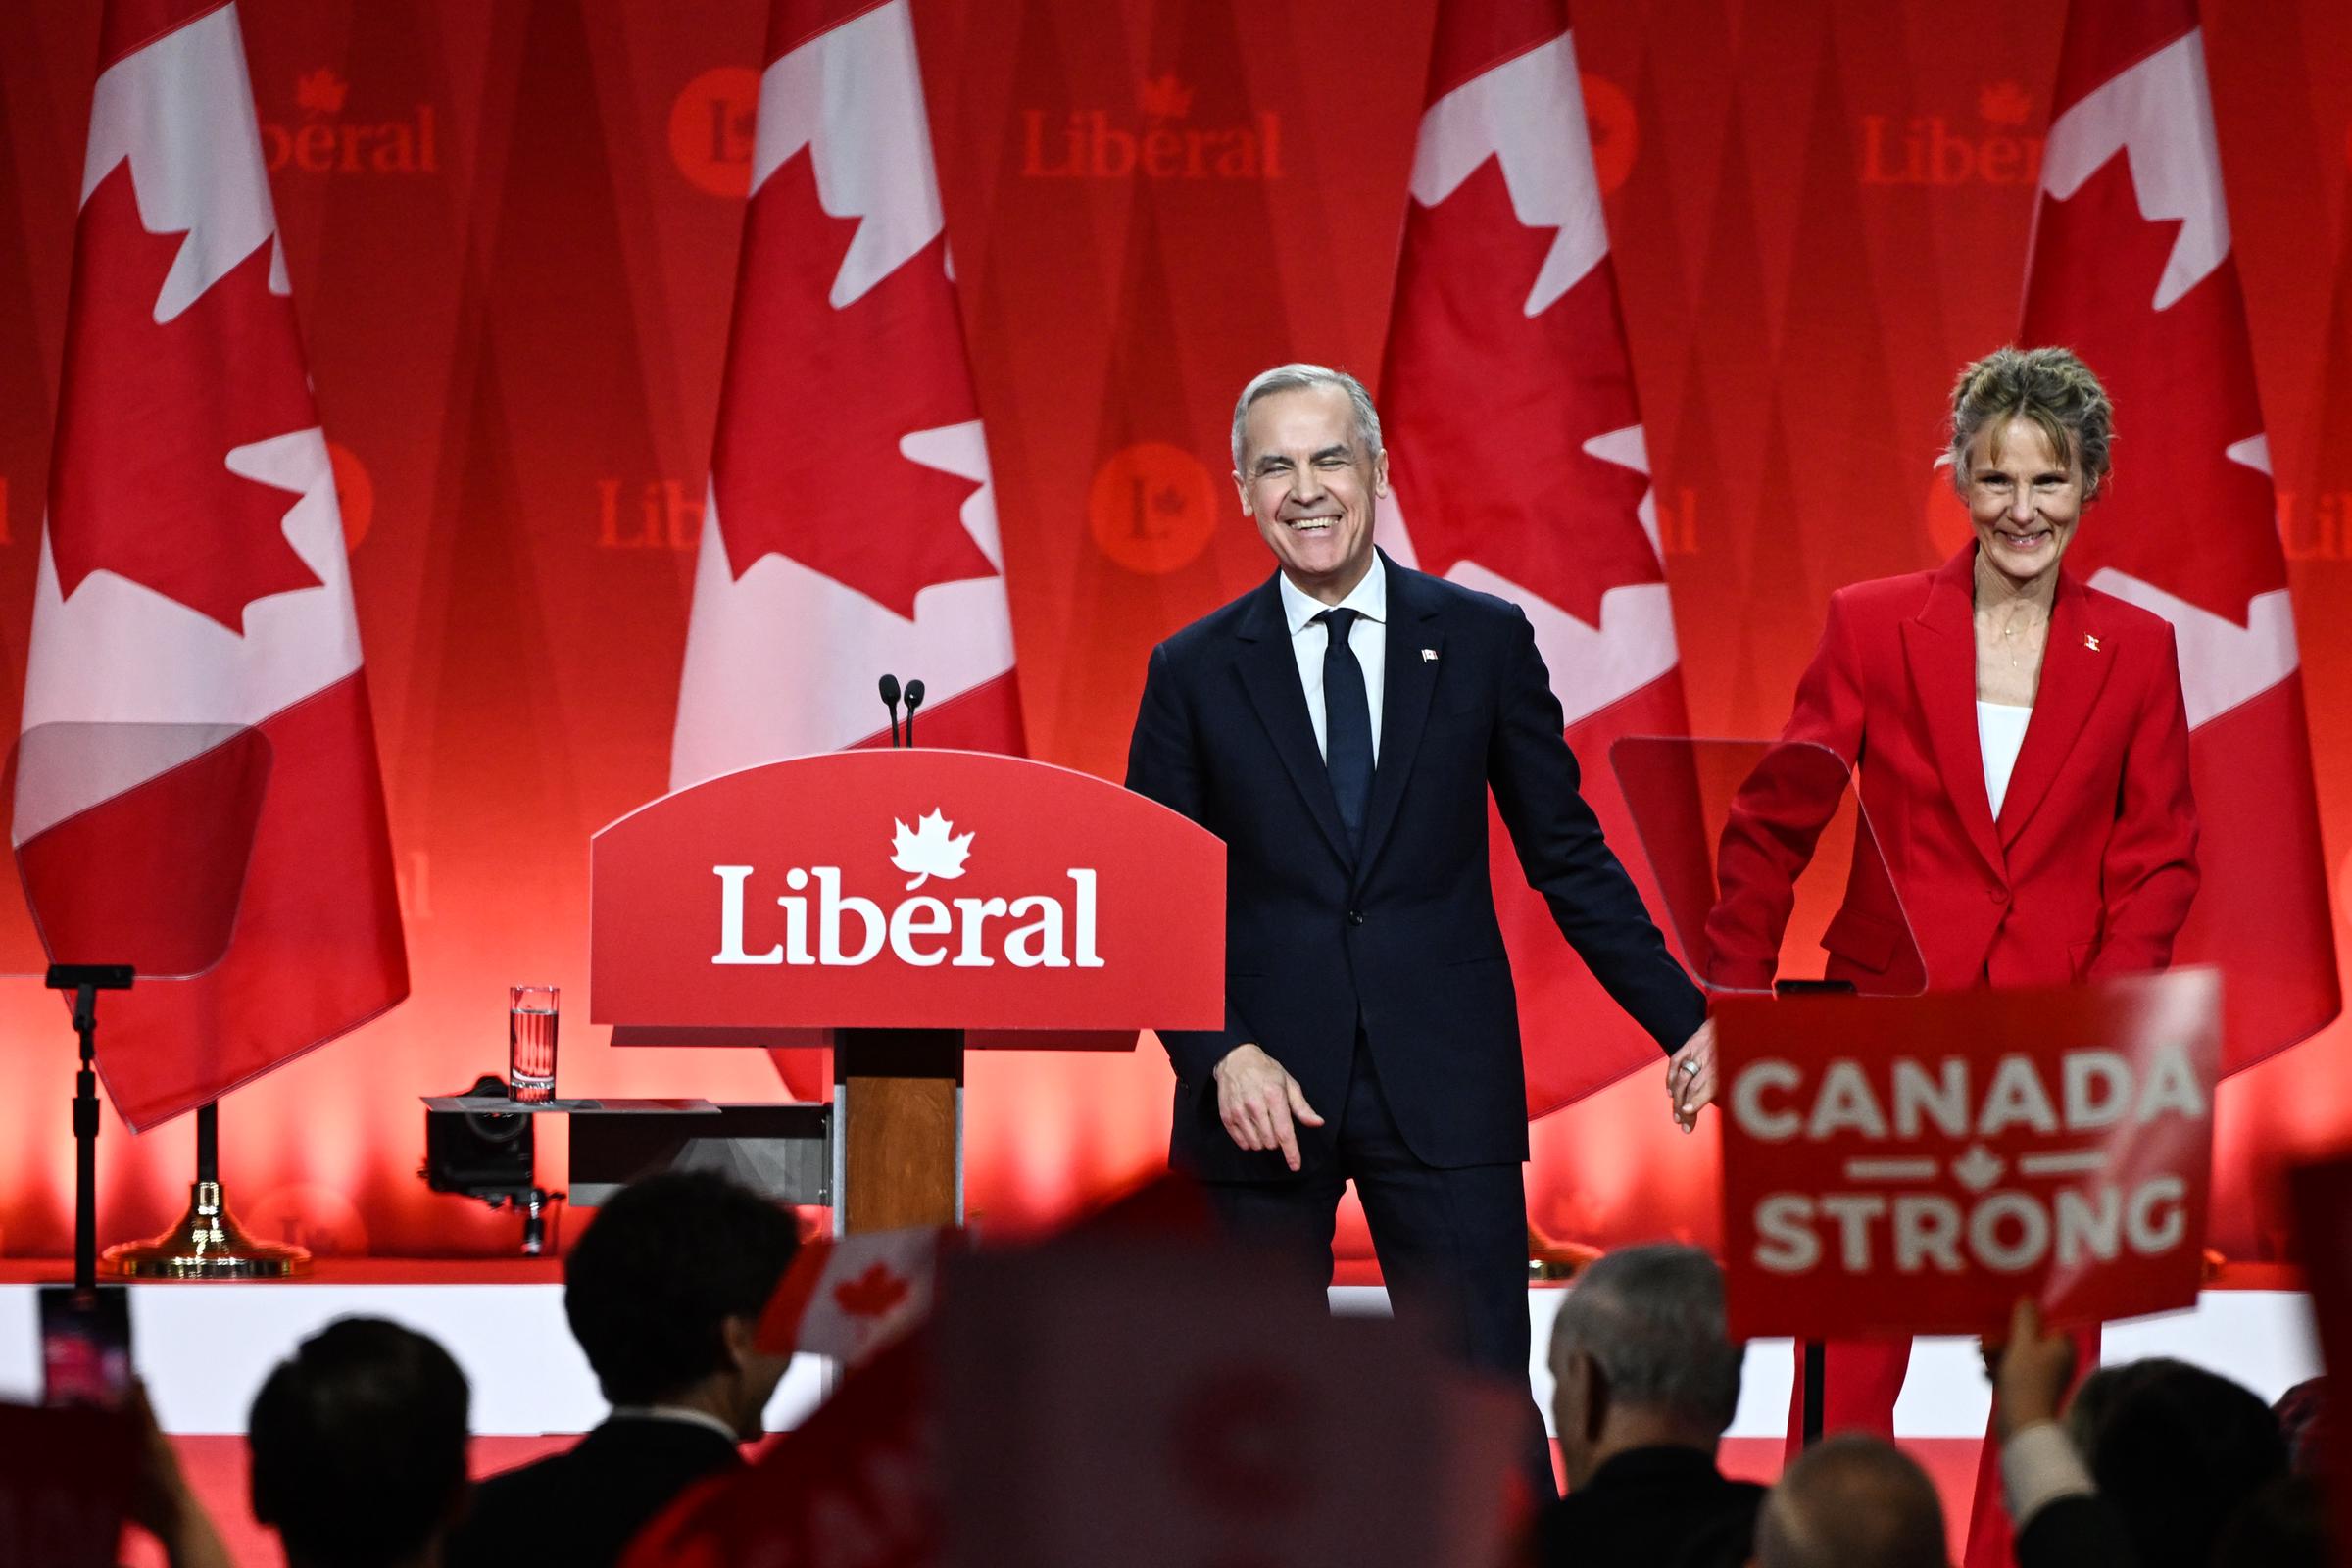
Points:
(1258, 1102)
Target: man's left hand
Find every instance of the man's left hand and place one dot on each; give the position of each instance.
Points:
(1691, 1076)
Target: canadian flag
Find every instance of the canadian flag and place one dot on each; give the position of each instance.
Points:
(847, 1296)
(858, 1485)
(851, 529)
(194, 586)
(2131, 268)
(1519, 461)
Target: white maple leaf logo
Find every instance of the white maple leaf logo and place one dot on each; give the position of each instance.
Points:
(927, 850)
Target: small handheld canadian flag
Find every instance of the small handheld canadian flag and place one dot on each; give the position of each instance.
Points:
(847, 1296)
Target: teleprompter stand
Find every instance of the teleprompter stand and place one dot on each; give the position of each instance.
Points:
(1713, 814)
(85, 981)
(131, 844)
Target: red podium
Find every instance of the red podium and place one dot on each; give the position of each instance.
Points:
(901, 906)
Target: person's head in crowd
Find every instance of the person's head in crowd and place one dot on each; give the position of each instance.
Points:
(2305, 1421)
(1639, 1358)
(2177, 1449)
(1853, 1501)
(359, 1447)
(664, 1291)
(2284, 1525)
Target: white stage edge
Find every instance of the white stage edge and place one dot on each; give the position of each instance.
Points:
(205, 1348)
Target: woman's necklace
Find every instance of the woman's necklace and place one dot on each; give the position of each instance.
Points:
(2019, 631)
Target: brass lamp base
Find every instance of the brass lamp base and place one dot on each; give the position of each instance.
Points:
(206, 1244)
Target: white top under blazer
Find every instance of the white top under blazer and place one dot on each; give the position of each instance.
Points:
(2000, 731)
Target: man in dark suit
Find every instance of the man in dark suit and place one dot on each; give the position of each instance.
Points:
(1340, 727)
(665, 1292)
(1644, 1380)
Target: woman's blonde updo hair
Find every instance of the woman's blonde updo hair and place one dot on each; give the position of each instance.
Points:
(2051, 387)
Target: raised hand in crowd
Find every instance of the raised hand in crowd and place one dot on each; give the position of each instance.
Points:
(163, 1505)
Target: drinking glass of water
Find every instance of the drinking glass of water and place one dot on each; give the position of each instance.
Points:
(531, 1042)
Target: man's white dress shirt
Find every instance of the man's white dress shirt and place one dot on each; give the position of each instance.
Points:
(1367, 639)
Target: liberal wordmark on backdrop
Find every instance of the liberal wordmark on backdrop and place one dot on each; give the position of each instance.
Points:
(1912, 1165)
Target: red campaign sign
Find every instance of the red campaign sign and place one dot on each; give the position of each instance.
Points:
(1120, 1399)
(1898, 1165)
(914, 889)
(2322, 1203)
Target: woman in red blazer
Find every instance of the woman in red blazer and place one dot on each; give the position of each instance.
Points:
(2023, 755)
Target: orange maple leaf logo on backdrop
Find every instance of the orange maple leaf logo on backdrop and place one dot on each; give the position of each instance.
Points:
(149, 412)
(1163, 97)
(2004, 102)
(321, 92)
(927, 849)
(874, 1294)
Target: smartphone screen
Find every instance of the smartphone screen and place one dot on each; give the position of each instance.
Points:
(86, 1345)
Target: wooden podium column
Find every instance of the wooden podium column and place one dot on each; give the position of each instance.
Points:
(898, 1091)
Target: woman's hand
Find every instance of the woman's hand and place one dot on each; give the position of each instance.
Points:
(1691, 1076)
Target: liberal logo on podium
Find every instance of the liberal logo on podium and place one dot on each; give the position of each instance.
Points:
(923, 931)
(912, 889)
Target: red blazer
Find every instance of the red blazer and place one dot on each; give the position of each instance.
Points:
(2092, 867)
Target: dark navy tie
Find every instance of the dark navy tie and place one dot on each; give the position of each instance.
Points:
(1347, 726)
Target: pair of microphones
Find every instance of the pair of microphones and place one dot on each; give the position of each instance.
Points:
(891, 694)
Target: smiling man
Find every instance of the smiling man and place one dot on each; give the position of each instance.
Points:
(1340, 727)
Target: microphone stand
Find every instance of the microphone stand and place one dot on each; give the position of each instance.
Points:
(915, 700)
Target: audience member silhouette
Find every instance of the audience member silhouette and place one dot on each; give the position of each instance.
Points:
(359, 1447)
(1644, 1380)
(663, 1292)
(1853, 1501)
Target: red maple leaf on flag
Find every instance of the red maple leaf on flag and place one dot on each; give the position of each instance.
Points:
(2180, 513)
(817, 399)
(1493, 408)
(150, 411)
(874, 1294)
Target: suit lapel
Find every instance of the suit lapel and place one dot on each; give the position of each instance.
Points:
(1270, 673)
(1940, 648)
(1406, 681)
(2074, 661)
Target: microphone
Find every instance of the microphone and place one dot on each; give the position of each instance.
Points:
(890, 698)
(915, 700)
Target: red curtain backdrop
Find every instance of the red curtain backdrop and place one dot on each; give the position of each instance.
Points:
(512, 233)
